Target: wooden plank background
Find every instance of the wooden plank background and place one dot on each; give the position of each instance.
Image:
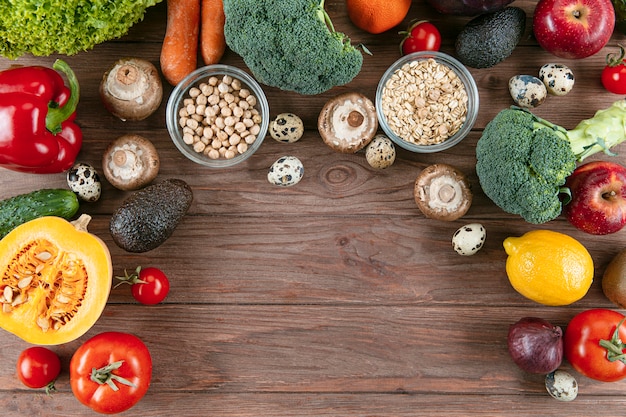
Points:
(335, 297)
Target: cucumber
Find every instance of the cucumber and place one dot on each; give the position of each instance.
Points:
(25, 207)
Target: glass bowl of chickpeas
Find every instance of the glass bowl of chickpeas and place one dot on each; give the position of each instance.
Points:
(217, 116)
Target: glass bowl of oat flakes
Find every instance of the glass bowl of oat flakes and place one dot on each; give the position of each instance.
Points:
(427, 102)
(217, 116)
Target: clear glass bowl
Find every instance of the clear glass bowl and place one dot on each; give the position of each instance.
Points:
(181, 92)
(472, 101)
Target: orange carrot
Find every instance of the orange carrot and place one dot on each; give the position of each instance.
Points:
(212, 41)
(179, 53)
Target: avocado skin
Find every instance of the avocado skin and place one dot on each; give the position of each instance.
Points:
(490, 38)
(148, 217)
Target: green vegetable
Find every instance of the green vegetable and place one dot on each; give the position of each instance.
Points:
(523, 160)
(67, 27)
(25, 207)
(291, 44)
(620, 14)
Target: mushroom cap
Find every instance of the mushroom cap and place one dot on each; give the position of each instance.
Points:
(131, 89)
(442, 192)
(348, 122)
(130, 162)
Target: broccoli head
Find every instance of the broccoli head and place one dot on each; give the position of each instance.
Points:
(290, 45)
(523, 161)
(523, 164)
(67, 27)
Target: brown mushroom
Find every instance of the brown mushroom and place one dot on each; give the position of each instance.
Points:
(131, 89)
(130, 162)
(348, 122)
(442, 192)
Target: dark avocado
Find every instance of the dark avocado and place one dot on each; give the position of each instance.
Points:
(491, 37)
(149, 216)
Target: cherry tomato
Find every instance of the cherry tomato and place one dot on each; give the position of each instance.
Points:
(38, 367)
(420, 36)
(593, 344)
(614, 73)
(111, 372)
(148, 285)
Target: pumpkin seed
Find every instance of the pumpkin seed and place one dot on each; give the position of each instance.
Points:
(25, 282)
(8, 294)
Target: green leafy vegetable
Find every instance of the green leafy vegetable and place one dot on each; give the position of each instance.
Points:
(46, 27)
(523, 160)
(290, 44)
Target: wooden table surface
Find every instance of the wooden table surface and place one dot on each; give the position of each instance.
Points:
(335, 297)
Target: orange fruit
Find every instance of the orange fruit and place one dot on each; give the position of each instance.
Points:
(377, 16)
(548, 267)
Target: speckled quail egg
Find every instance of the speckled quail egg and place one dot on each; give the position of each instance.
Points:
(527, 91)
(558, 78)
(469, 239)
(286, 171)
(287, 127)
(380, 152)
(84, 180)
(561, 385)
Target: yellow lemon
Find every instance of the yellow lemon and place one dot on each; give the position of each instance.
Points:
(548, 267)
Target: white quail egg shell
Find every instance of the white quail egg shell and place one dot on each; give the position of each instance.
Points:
(558, 78)
(527, 91)
(380, 152)
(84, 180)
(286, 171)
(287, 127)
(469, 239)
(561, 385)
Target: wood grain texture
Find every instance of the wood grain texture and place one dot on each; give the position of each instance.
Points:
(335, 297)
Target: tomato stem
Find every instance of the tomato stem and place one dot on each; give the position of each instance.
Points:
(105, 375)
(130, 279)
(613, 60)
(615, 347)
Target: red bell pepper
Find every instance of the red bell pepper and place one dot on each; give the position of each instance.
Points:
(37, 112)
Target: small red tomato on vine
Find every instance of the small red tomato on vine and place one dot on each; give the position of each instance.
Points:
(614, 73)
(148, 285)
(420, 36)
(38, 367)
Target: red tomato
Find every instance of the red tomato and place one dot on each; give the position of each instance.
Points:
(111, 372)
(585, 344)
(421, 36)
(149, 285)
(614, 73)
(38, 367)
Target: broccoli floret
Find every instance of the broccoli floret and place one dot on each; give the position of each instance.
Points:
(67, 27)
(291, 45)
(523, 161)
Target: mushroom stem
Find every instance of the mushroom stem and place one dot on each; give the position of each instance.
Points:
(126, 162)
(126, 82)
(447, 193)
(355, 118)
(123, 158)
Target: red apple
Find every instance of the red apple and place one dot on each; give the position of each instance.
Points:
(598, 204)
(573, 28)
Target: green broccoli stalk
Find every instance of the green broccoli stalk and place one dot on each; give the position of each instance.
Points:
(67, 27)
(523, 161)
(291, 45)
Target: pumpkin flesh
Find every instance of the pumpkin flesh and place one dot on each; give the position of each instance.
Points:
(55, 280)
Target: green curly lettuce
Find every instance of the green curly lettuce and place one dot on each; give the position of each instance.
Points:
(46, 27)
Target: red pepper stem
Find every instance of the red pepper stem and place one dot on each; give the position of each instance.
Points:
(57, 115)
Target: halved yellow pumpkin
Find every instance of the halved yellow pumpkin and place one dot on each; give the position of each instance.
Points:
(55, 279)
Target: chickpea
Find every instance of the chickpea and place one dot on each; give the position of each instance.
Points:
(218, 118)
